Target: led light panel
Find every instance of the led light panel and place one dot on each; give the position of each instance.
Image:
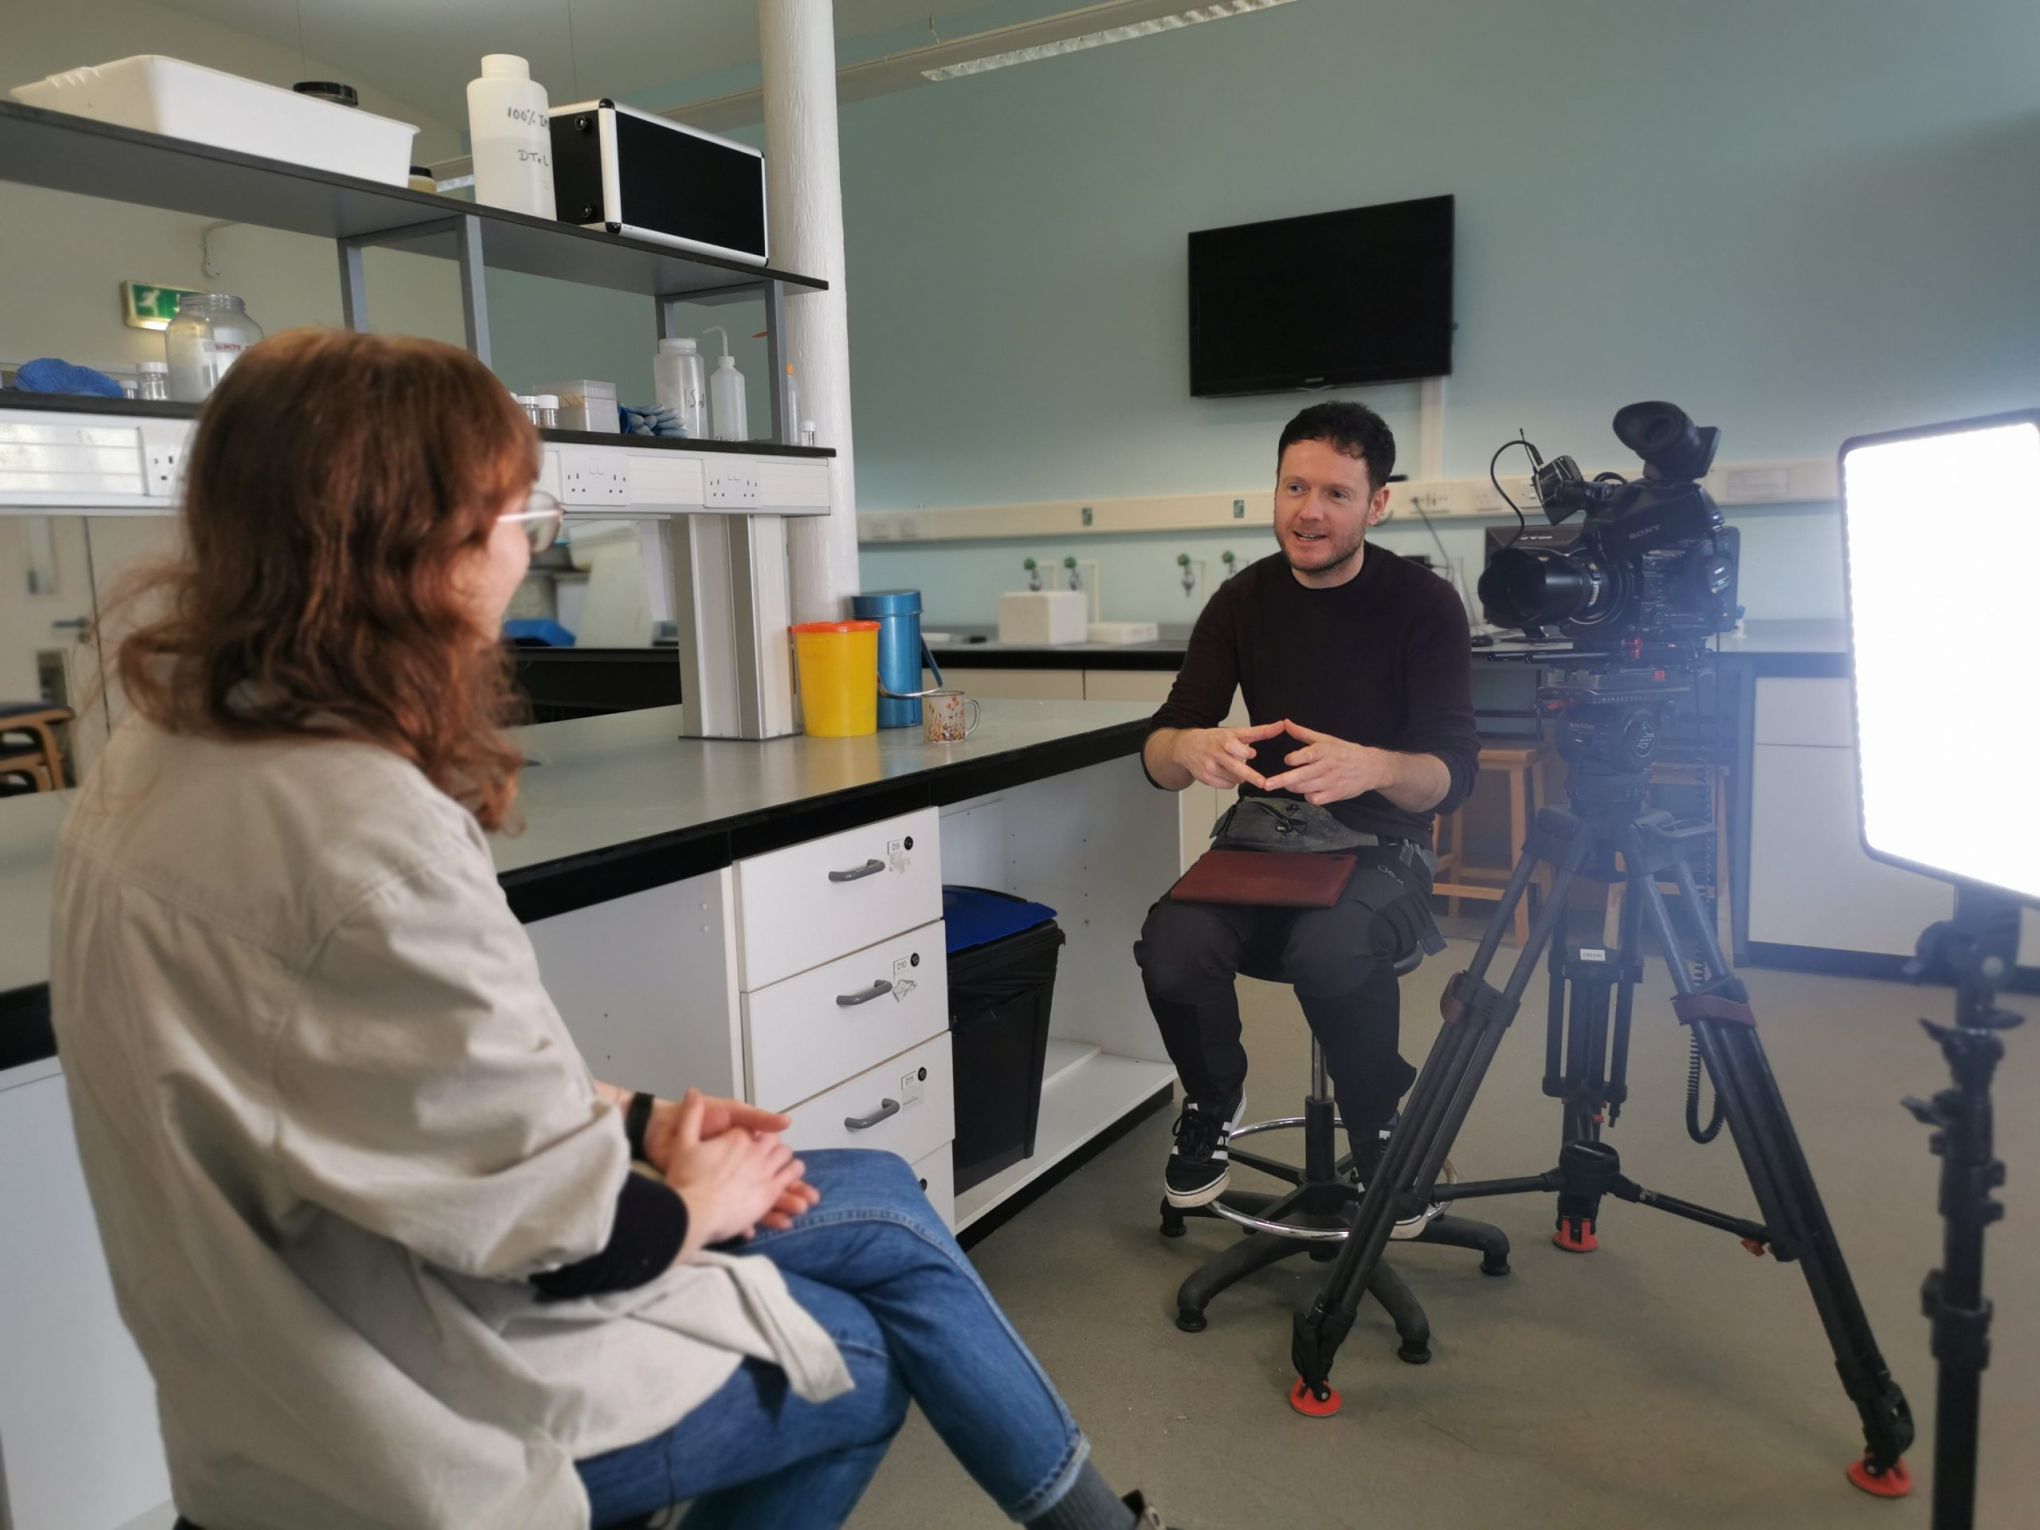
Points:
(1941, 533)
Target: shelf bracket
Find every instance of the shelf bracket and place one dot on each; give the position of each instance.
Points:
(474, 285)
(353, 286)
(467, 253)
(785, 431)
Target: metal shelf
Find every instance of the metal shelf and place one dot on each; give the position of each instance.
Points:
(67, 153)
(154, 409)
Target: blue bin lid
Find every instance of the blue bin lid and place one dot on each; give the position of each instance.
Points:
(886, 603)
(976, 916)
(538, 631)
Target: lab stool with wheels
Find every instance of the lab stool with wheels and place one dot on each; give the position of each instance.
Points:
(1315, 1217)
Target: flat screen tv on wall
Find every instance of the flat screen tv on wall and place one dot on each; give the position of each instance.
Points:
(1324, 301)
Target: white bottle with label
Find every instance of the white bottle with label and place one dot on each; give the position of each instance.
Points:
(507, 121)
(682, 385)
(726, 394)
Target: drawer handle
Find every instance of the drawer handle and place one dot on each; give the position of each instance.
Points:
(877, 990)
(886, 1111)
(868, 869)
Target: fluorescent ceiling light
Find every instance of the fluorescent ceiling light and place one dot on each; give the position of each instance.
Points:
(1127, 33)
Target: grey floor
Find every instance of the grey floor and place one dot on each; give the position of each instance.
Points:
(1668, 1380)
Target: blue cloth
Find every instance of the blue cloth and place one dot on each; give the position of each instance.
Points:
(658, 420)
(48, 375)
(876, 1267)
(974, 916)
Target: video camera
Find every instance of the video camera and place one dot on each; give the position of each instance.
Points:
(1653, 560)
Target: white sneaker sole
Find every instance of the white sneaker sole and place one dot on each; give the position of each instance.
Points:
(1186, 1200)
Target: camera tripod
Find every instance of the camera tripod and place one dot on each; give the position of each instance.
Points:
(1609, 739)
(1977, 948)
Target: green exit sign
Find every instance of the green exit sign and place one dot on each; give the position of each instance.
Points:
(146, 305)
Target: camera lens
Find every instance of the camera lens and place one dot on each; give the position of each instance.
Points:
(1535, 586)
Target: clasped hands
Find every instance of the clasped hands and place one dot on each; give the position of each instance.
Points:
(729, 1163)
(1325, 769)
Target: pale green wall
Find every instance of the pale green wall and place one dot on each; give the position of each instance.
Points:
(1797, 218)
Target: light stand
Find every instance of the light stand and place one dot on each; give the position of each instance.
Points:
(1927, 714)
(1977, 948)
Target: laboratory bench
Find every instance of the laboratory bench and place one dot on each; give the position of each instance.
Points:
(1778, 726)
(698, 907)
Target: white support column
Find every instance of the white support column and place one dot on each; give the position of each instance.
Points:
(804, 195)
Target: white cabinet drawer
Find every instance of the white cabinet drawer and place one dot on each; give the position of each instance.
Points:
(811, 903)
(937, 1174)
(1819, 712)
(821, 1027)
(1810, 882)
(884, 1097)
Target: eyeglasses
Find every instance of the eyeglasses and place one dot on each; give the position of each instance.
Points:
(540, 517)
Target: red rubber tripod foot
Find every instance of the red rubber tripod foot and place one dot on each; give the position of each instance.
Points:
(1895, 1481)
(1310, 1405)
(1576, 1237)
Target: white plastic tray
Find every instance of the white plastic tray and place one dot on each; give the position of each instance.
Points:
(154, 94)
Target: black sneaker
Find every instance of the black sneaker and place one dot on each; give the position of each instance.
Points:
(1369, 1142)
(1369, 1151)
(1198, 1169)
(1146, 1515)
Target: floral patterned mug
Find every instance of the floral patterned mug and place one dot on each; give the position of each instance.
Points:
(948, 717)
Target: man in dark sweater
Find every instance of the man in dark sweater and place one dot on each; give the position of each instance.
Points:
(1357, 673)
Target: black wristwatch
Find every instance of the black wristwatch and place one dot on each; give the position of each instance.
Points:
(637, 1121)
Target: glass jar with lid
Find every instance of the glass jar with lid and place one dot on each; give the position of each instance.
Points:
(205, 339)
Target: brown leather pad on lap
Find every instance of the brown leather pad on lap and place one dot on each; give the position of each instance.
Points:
(1265, 878)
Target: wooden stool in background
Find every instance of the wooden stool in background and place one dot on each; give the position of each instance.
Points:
(1523, 766)
(1714, 779)
(28, 742)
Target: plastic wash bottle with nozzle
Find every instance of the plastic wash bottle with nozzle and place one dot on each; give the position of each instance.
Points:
(726, 406)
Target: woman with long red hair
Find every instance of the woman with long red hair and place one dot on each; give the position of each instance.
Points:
(394, 1258)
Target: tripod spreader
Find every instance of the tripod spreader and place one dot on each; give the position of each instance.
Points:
(1586, 1172)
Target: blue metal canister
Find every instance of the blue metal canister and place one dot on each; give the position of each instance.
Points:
(901, 653)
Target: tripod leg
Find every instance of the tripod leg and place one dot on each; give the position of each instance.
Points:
(1720, 1017)
(1476, 1017)
(1590, 1088)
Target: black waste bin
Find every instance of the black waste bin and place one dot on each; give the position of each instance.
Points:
(1002, 959)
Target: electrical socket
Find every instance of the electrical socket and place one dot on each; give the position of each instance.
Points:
(596, 477)
(163, 448)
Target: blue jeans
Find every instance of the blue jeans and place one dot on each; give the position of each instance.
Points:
(875, 1267)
